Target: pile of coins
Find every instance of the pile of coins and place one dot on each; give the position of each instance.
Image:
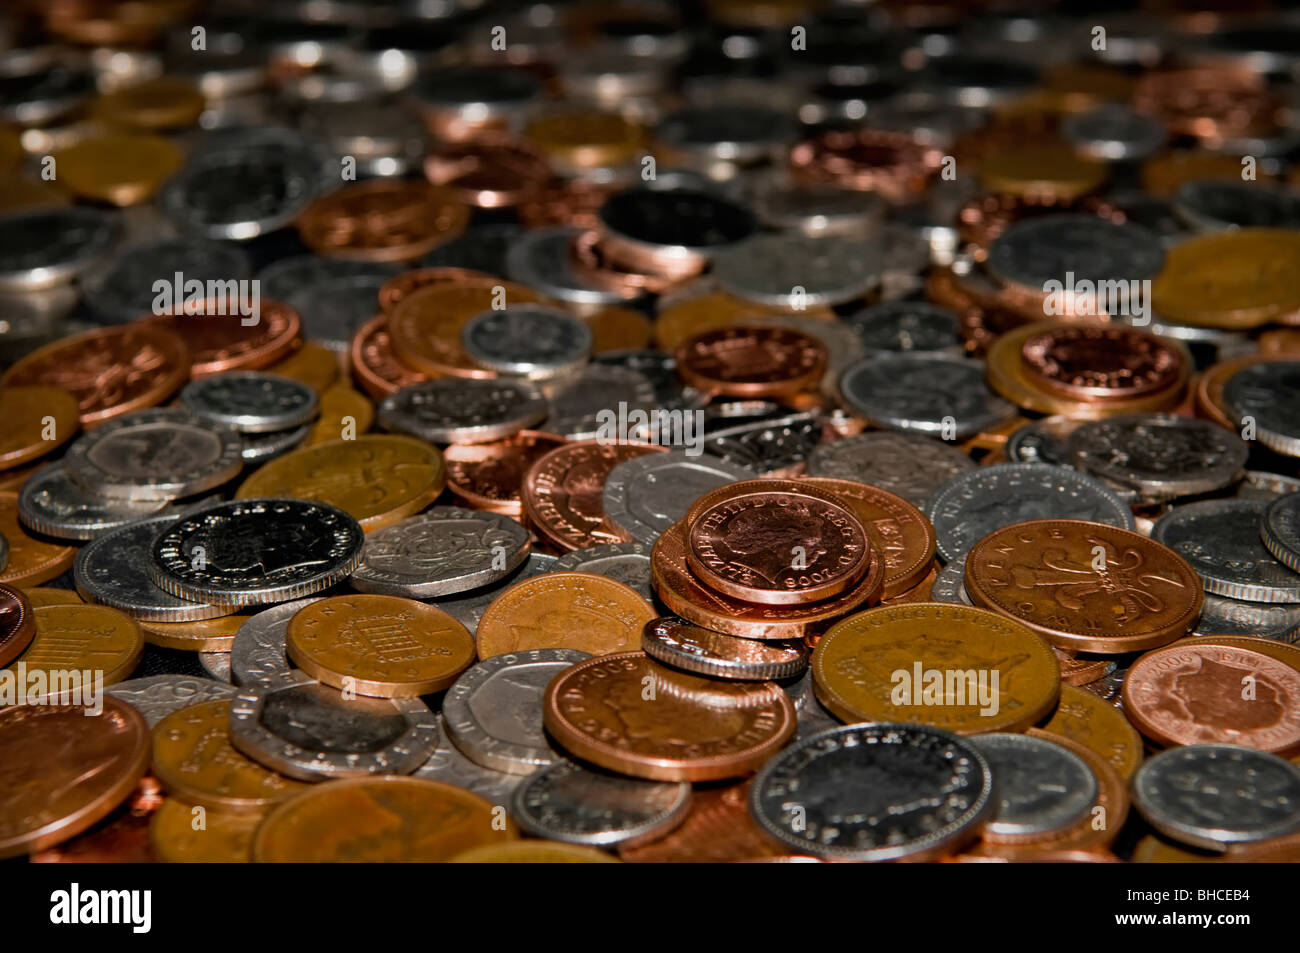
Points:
(644, 432)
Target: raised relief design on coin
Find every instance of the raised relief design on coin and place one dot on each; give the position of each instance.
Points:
(157, 696)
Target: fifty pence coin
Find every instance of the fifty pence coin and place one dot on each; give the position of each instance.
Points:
(1041, 787)
(684, 645)
(157, 696)
(250, 401)
(875, 792)
(258, 655)
(578, 805)
(970, 506)
(909, 465)
(494, 711)
(249, 552)
(51, 503)
(1221, 540)
(312, 732)
(928, 393)
(440, 552)
(156, 454)
(463, 410)
(527, 340)
(449, 766)
(646, 495)
(1269, 394)
(628, 563)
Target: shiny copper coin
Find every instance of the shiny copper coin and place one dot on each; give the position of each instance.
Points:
(1210, 383)
(751, 361)
(631, 715)
(572, 202)
(32, 560)
(775, 542)
(490, 476)
(1077, 671)
(718, 829)
(678, 320)
(1102, 363)
(374, 366)
(899, 531)
(1285, 652)
(382, 220)
(1085, 586)
(62, 770)
(393, 291)
(227, 342)
(683, 593)
(1194, 693)
(16, 624)
(34, 421)
(563, 492)
(873, 160)
(495, 173)
(1210, 103)
(109, 371)
(121, 837)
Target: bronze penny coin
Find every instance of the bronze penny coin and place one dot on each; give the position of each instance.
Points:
(1199, 693)
(1085, 586)
(751, 361)
(776, 542)
(1101, 363)
(62, 770)
(631, 715)
(1077, 671)
(490, 476)
(34, 421)
(493, 173)
(382, 220)
(400, 287)
(229, 341)
(32, 560)
(1084, 718)
(17, 627)
(374, 366)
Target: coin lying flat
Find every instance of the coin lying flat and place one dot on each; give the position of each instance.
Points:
(796, 272)
(494, 711)
(1042, 787)
(680, 644)
(463, 411)
(224, 838)
(1280, 530)
(309, 731)
(440, 552)
(257, 654)
(875, 792)
(52, 504)
(250, 401)
(931, 394)
(1221, 540)
(1215, 795)
(1267, 394)
(577, 805)
(907, 326)
(249, 552)
(646, 495)
(84, 638)
(157, 696)
(528, 340)
(25, 417)
(17, 627)
(911, 465)
(628, 563)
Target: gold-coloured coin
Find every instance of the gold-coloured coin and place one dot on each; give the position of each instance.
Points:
(11, 147)
(182, 833)
(378, 479)
(163, 103)
(1162, 174)
(1233, 280)
(535, 852)
(84, 638)
(38, 597)
(379, 819)
(343, 412)
(586, 139)
(35, 421)
(120, 169)
(384, 646)
(955, 667)
(20, 192)
(195, 761)
(205, 635)
(32, 561)
(311, 364)
(1096, 724)
(618, 329)
(1051, 172)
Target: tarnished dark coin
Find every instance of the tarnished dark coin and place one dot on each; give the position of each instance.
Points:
(1041, 787)
(1267, 395)
(42, 248)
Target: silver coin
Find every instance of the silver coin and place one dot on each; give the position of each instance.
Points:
(335, 307)
(907, 326)
(578, 410)
(111, 570)
(283, 279)
(252, 552)
(462, 411)
(1071, 249)
(494, 711)
(1269, 394)
(1261, 485)
(449, 766)
(628, 563)
(541, 258)
(813, 718)
(1280, 530)
(217, 665)
(794, 272)
(1223, 616)
(909, 465)
(527, 340)
(250, 401)
(310, 731)
(970, 506)
(1042, 441)
(874, 792)
(440, 552)
(42, 248)
(927, 393)
(468, 607)
(1222, 542)
(258, 656)
(950, 584)
(744, 134)
(157, 696)
(818, 210)
(680, 644)
(579, 805)
(1211, 205)
(1041, 787)
(156, 454)
(124, 290)
(769, 444)
(646, 495)
(684, 224)
(1161, 456)
(1114, 133)
(50, 503)
(260, 447)
(384, 140)
(1215, 795)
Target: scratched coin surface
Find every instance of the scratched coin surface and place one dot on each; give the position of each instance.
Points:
(440, 552)
(1042, 787)
(645, 495)
(911, 465)
(494, 711)
(1221, 540)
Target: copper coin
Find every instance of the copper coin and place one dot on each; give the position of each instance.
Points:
(490, 476)
(1195, 693)
(227, 342)
(563, 492)
(374, 366)
(494, 173)
(776, 542)
(1285, 652)
(1084, 718)
(751, 361)
(1101, 363)
(689, 598)
(32, 560)
(62, 770)
(564, 610)
(899, 531)
(718, 829)
(574, 203)
(1210, 384)
(395, 289)
(1077, 671)
(121, 837)
(425, 327)
(109, 371)
(631, 715)
(1085, 586)
(34, 421)
(17, 627)
(382, 220)
(891, 163)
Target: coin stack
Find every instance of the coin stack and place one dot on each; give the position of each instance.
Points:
(614, 432)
